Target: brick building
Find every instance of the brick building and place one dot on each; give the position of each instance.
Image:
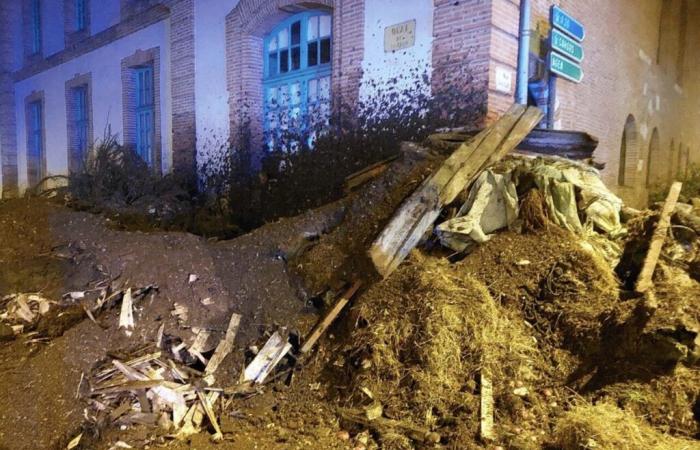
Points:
(173, 77)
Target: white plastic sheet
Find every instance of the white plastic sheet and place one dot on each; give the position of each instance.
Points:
(576, 199)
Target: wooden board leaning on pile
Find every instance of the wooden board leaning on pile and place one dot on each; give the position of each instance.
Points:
(417, 214)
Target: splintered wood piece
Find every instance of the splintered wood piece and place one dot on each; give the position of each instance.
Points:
(644, 282)
(129, 372)
(159, 336)
(225, 345)
(120, 410)
(218, 435)
(323, 325)
(132, 362)
(129, 386)
(486, 411)
(362, 176)
(267, 358)
(74, 442)
(126, 317)
(23, 311)
(382, 424)
(199, 412)
(188, 427)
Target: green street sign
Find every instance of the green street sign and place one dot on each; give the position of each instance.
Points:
(563, 21)
(565, 68)
(566, 46)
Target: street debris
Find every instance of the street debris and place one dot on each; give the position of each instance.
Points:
(126, 317)
(157, 389)
(644, 282)
(223, 348)
(417, 214)
(180, 312)
(322, 326)
(461, 296)
(267, 358)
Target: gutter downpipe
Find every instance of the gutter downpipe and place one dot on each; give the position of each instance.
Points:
(523, 53)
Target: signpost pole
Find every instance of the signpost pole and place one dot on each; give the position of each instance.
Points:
(552, 81)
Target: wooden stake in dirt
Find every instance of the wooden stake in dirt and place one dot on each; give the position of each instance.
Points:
(418, 213)
(323, 325)
(486, 410)
(644, 282)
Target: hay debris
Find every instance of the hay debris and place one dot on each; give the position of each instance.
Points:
(606, 427)
(428, 331)
(533, 211)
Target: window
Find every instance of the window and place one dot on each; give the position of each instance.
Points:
(145, 112)
(81, 121)
(655, 161)
(628, 153)
(297, 75)
(36, 26)
(682, 42)
(80, 15)
(35, 142)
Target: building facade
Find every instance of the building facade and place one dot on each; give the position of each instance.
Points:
(173, 78)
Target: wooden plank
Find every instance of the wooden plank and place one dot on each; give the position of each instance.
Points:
(126, 316)
(417, 214)
(383, 424)
(267, 358)
(323, 325)
(466, 168)
(486, 410)
(225, 345)
(218, 435)
(644, 282)
(568, 144)
(362, 176)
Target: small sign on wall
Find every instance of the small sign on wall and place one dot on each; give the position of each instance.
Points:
(400, 36)
(504, 80)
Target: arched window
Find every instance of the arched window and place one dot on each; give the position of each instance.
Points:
(628, 153)
(685, 164)
(682, 43)
(655, 161)
(675, 161)
(297, 76)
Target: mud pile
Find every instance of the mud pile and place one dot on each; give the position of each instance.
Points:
(532, 338)
(544, 317)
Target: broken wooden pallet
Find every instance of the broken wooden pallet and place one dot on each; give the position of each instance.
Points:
(417, 214)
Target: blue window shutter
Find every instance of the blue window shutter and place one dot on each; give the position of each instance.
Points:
(36, 26)
(80, 19)
(81, 120)
(145, 113)
(36, 143)
(296, 61)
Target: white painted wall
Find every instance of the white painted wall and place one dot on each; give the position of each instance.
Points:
(103, 14)
(380, 66)
(211, 93)
(105, 65)
(52, 27)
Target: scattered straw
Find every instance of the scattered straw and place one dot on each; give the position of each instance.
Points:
(606, 427)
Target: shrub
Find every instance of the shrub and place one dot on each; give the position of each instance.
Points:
(111, 173)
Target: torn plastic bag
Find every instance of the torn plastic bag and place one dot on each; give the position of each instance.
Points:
(492, 205)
